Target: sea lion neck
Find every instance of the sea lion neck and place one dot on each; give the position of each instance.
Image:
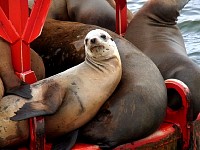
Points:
(161, 12)
(104, 64)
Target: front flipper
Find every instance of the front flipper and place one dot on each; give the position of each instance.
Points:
(52, 99)
(65, 142)
(23, 91)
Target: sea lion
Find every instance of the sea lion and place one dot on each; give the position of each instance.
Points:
(12, 83)
(140, 97)
(155, 32)
(73, 96)
(98, 12)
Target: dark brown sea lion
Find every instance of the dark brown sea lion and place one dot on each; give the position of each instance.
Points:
(96, 12)
(155, 32)
(10, 80)
(73, 96)
(135, 109)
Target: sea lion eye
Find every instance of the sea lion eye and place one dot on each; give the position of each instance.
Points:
(103, 36)
(86, 40)
(111, 39)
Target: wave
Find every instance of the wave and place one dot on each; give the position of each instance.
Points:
(190, 26)
(195, 57)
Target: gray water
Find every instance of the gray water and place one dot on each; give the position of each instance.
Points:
(189, 23)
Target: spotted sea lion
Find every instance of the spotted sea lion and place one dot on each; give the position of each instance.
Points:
(139, 98)
(73, 97)
(155, 32)
(98, 12)
(12, 83)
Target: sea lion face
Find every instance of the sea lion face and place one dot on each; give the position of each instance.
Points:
(99, 45)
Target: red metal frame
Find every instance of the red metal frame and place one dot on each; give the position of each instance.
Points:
(19, 30)
(181, 117)
(121, 16)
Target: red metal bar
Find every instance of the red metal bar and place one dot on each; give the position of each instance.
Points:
(82, 146)
(36, 21)
(121, 16)
(19, 30)
(180, 117)
(18, 14)
(79, 146)
(4, 5)
(20, 50)
(7, 30)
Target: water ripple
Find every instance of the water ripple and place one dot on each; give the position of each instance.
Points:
(190, 26)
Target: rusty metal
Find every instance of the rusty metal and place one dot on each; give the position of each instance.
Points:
(165, 138)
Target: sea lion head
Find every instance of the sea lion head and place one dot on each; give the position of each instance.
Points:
(99, 45)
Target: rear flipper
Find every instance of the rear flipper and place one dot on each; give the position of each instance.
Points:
(52, 99)
(23, 91)
(65, 142)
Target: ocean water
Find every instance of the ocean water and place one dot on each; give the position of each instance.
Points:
(188, 22)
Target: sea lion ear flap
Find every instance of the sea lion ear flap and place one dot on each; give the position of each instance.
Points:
(23, 91)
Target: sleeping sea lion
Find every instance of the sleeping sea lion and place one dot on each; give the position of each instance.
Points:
(155, 32)
(98, 12)
(140, 97)
(72, 97)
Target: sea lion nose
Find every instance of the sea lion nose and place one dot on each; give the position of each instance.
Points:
(93, 41)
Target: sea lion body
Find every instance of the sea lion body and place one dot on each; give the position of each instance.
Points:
(138, 105)
(98, 12)
(73, 96)
(154, 31)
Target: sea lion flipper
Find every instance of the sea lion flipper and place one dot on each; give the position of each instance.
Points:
(49, 105)
(66, 142)
(23, 91)
(34, 109)
(30, 110)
